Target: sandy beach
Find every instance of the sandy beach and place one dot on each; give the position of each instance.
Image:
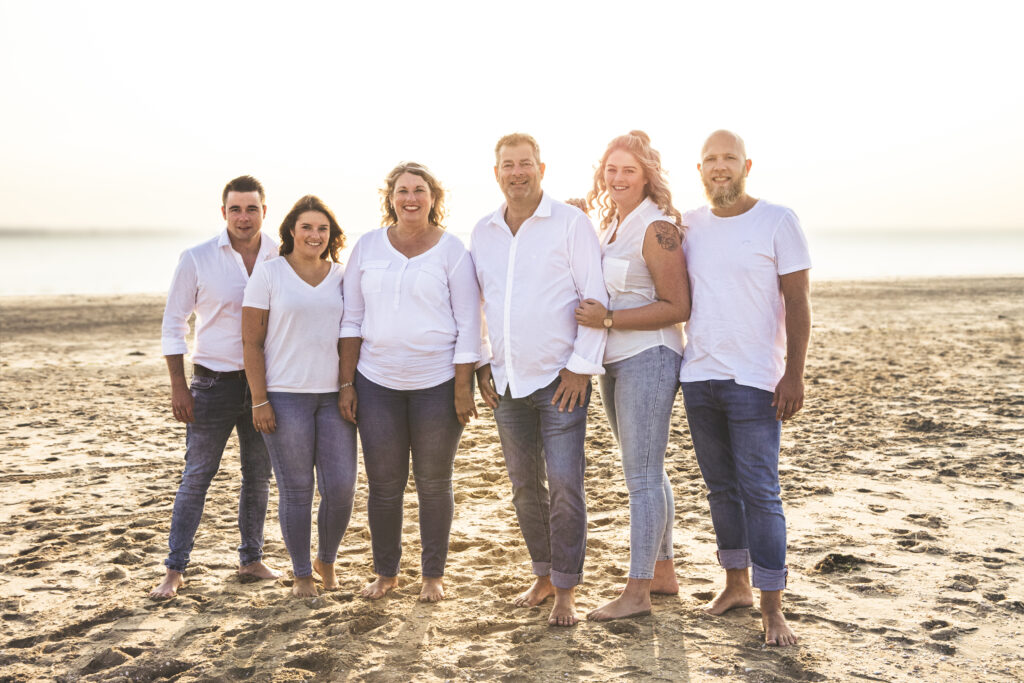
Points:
(903, 480)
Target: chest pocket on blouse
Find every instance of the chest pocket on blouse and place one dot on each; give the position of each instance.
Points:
(372, 276)
(431, 285)
(615, 272)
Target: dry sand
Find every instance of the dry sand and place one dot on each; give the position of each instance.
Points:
(902, 480)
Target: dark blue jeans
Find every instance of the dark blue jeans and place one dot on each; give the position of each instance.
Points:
(312, 438)
(544, 450)
(393, 424)
(221, 405)
(736, 439)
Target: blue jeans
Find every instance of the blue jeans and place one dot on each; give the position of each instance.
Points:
(221, 405)
(312, 436)
(393, 424)
(736, 439)
(544, 450)
(638, 393)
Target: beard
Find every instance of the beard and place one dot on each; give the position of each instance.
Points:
(724, 197)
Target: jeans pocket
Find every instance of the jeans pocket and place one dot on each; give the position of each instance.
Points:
(202, 383)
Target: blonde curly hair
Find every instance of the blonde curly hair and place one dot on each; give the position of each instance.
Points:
(637, 143)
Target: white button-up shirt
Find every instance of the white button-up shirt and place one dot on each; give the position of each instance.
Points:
(418, 317)
(531, 283)
(210, 279)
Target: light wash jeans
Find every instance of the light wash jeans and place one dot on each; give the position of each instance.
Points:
(221, 405)
(638, 393)
(544, 448)
(393, 425)
(736, 439)
(312, 438)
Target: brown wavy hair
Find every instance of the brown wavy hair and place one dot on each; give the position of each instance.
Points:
(637, 143)
(437, 211)
(336, 239)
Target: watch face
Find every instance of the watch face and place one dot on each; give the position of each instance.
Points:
(607, 322)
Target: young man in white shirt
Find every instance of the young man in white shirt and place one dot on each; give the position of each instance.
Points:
(742, 371)
(536, 259)
(210, 280)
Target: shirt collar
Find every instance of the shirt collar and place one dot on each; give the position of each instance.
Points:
(543, 210)
(267, 244)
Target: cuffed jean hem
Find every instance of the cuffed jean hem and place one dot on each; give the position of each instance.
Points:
(769, 579)
(734, 559)
(175, 568)
(558, 579)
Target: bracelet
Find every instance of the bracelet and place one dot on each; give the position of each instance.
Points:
(260, 405)
(346, 384)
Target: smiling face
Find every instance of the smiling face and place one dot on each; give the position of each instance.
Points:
(625, 180)
(723, 169)
(412, 199)
(244, 212)
(519, 174)
(311, 234)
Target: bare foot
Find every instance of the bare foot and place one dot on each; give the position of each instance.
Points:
(326, 573)
(304, 587)
(563, 613)
(380, 586)
(540, 591)
(776, 630)
(433, 589)
(635, 601)
(737, 593)
(665, 582)
(259, 570)
(729, 598)
(168, 588)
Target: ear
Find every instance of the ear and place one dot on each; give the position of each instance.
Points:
(542, 167)
(224, 212)
(750, 162)
(496, 174)
(264, 210)
(698, 168)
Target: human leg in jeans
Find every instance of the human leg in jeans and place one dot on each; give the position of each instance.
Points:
(220, 404)
(544, 456)
(312, 444)
(736, 439)
(638, 393)
(382, 416)
(434, 431)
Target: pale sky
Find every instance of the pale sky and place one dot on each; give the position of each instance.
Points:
(869, 114)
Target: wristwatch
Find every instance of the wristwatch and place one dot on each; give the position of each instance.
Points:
(607, 320)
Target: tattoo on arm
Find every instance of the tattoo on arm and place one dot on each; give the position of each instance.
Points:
(667, 235)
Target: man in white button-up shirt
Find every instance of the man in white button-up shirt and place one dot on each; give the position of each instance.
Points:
(536, 259)
(210, 280)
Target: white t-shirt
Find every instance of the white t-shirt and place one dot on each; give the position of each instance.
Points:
(418, 317)
(630, 284)
(301, 347)
(737, 326)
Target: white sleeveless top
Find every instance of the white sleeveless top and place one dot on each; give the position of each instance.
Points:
(630, 285)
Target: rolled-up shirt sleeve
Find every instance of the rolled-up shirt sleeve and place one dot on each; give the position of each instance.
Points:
(585, 264)
(181, 302)
(465, 298)
(352, 294)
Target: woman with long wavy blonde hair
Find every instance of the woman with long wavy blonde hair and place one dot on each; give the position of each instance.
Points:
(649, 296)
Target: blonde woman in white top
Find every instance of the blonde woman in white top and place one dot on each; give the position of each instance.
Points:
(645, 274)
(410, 343)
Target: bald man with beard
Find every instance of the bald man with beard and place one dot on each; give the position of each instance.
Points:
(742, 371)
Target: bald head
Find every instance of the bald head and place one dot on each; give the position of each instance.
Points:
(725, 138)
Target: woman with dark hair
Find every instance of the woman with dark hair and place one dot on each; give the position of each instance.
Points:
(410, 343)
(649, 296)
(291, 315)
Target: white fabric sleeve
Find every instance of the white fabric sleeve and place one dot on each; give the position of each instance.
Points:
(465, 296)
(486, 355)
(790, 245)
(257, 291)
(585, 268)
(181, 301)
(352, 295)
